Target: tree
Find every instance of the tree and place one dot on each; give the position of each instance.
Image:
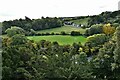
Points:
(63, 33)
(36, 24)
(115, 25)
(116, 65)
(97, 19)
(101, 63)
(97, 39)
(94, 29)
(75, 33)
(15, 30)
(16, 58)
(18, 39)
(108, 29)
(32, 32)
(27, 18)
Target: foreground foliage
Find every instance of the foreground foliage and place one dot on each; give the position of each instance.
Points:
(25, 59)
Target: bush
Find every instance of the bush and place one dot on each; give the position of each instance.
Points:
(52, 33)
(94, 29)
(63, 33)
(38, 34)
(15, 30)
(97, 39)
(57, 34)
(75, 33)
(47, 33)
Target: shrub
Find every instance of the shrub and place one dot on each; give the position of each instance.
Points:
(47, 33)
(94, 29)
(97, 39)
(63, 33)
(75, 33)
(52, 33)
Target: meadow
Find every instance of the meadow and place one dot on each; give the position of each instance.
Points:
(66, 29)
(62, 40)
(81, 21)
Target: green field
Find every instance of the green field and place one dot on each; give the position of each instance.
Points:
(67, 29)
(62, 40)
(81, 21)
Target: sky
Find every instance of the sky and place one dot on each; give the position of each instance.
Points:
(15, 9)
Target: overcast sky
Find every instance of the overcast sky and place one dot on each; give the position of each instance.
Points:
(15, 9)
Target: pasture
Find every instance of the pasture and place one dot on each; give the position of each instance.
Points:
(81, 21)
(62, 40)
(66, 29)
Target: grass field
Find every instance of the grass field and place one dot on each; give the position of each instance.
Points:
(67, 29)
(81, 21)
(62, 40)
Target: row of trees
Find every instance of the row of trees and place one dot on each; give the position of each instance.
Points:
(105, 17)
(35, 24)
(94, 29)
(17, 30)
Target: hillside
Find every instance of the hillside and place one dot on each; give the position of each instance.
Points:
(66, 29)
(53, 23)
(81, 21)
(104, 17)
(28, 54)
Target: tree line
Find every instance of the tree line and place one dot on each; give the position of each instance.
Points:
(35, 24)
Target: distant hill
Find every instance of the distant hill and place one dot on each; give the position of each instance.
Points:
(49, 23)
(104, 17)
